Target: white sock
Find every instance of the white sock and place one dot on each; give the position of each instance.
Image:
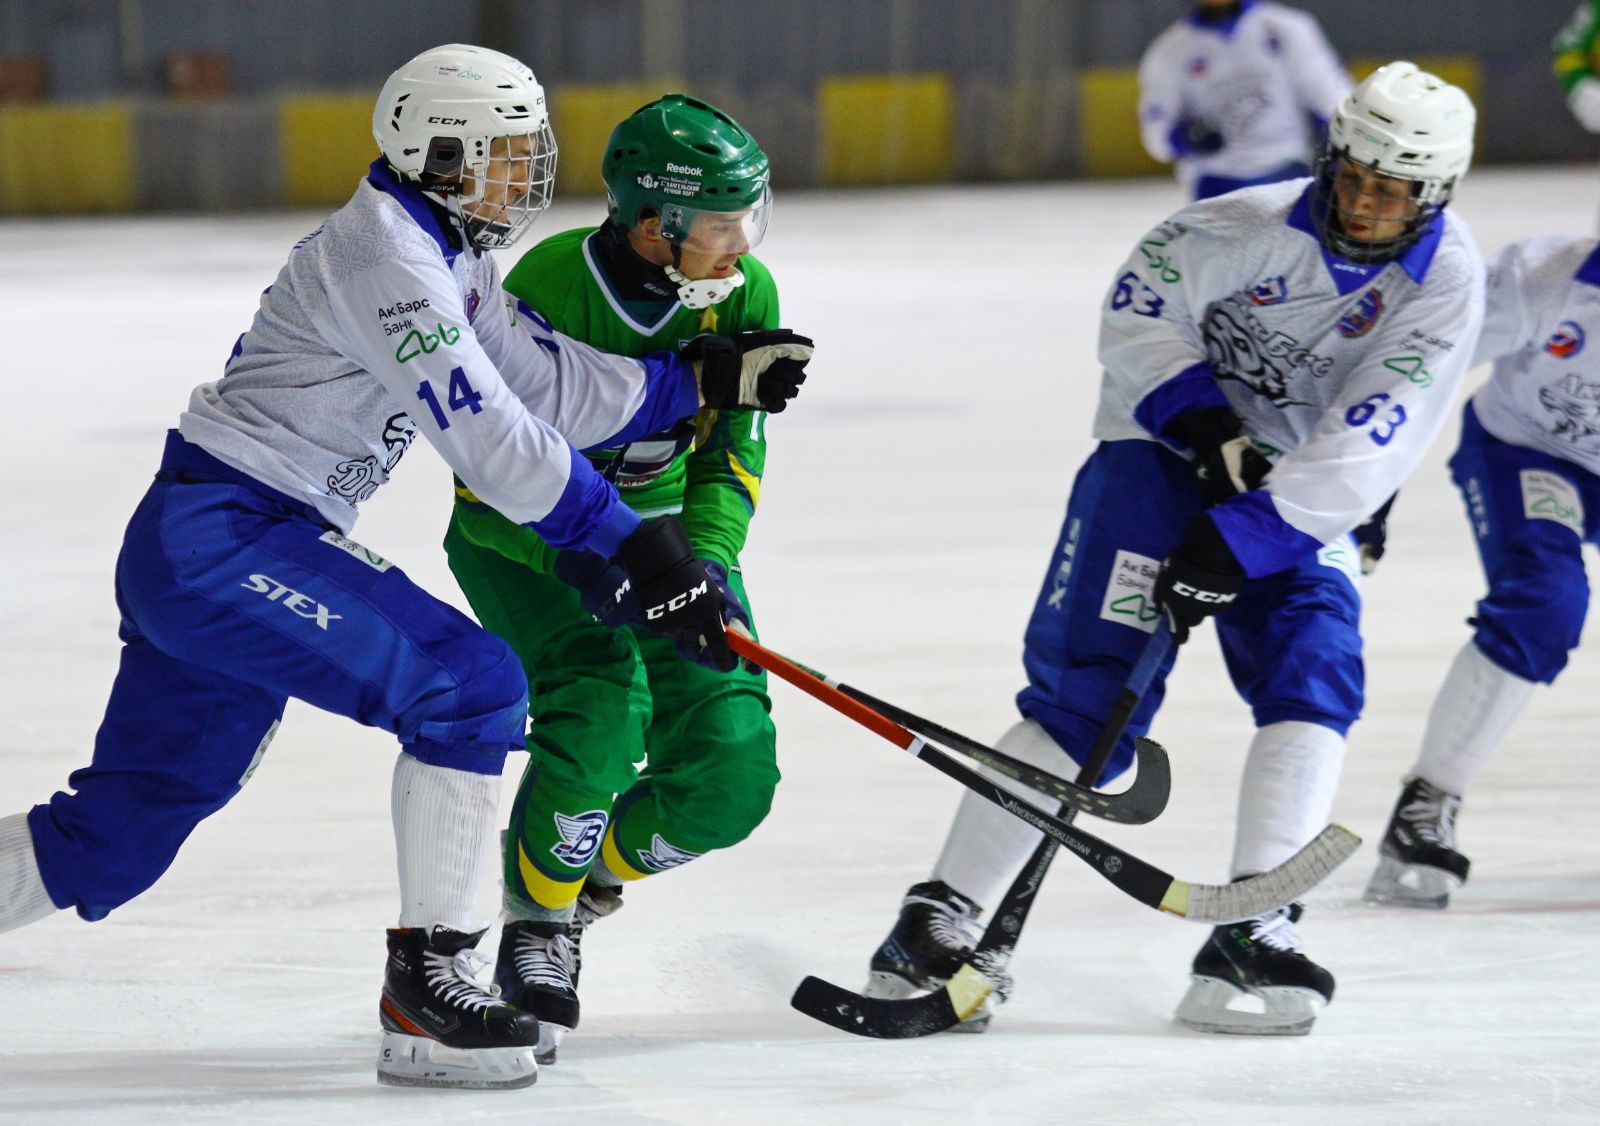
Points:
(1471, 716)
(1287, 793)
(445, 822)
(987, 846)
(23, 899)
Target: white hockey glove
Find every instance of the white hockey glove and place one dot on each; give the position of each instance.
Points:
(762, 369)
(1584, 102)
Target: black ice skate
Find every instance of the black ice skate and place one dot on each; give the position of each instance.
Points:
(537, 971)
(441, 1026)
(934, 934)
(1418, 864)
(1251, 978)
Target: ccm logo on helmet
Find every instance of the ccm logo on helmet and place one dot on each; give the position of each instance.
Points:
(676, 602)
(447, 121)
(1202, 595)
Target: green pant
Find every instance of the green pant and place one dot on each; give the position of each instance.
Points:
(602, 702)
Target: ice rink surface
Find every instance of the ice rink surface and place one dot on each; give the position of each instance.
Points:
(912, 498)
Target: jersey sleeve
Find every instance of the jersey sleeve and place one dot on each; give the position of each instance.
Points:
(462, 405)
(722, 477)
(1150, 344)
(1507, 319)
(1392, 407)
(1574, 46)
(1160, 99)
(1320, 80)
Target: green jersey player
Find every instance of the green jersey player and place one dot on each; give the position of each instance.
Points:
(688, 198)
(1577, 63)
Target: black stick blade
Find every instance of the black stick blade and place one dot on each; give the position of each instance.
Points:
(884, 1019)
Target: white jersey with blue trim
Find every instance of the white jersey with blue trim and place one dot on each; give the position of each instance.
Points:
(1544, 393)
(379, 327)
(1343, 373)
(1257, 81)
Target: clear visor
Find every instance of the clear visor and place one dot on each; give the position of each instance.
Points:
(717, 233)
(502, 196)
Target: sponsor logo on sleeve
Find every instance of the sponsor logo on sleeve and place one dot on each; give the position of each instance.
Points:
(1549, 496)
(1130, 596)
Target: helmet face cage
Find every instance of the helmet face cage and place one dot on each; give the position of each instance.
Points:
(501, 192)
(1332, 220)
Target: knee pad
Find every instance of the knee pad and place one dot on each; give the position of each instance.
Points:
(476, 713)
(1529, 625)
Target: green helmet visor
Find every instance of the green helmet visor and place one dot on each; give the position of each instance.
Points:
(704, 231)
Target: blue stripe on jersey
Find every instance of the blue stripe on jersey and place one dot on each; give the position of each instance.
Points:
(410, 197)
(589, 513)
(1589, 272)
(1262, 541)
(1192, 388)
(671, 394)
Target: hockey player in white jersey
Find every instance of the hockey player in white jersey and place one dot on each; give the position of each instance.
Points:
(1238, 93)
(1276, 361)
(1528, 467)
(239, 587)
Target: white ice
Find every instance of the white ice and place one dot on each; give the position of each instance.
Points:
(913, 495)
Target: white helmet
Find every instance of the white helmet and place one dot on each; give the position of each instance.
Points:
(470, 125)
(1406, 124)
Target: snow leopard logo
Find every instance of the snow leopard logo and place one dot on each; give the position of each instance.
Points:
(1241, 348)
(1575, 406)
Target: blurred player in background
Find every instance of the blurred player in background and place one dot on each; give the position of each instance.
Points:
(1238, 93)
(239, 588)
(1577, 64)
(1528, 467)
(688, 199)
(1275, 361)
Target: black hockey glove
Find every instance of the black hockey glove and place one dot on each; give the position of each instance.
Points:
(1225, 460)
(676, 594)
(1371, 534)
(1193, 137)
(1200, 578)
(762, 370)
(602, 586)
(734, 614)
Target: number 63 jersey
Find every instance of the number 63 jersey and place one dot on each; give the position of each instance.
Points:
(1342, 373)
(379, 327)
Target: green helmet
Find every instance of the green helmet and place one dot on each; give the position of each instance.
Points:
(678, 157)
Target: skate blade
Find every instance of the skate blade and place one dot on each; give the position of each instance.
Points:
(1397, 884)
(1214, 1005)
(549, 1040)
(416, 1061)
(887, 986)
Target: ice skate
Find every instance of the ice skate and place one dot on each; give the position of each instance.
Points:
(444, 1028)
(537, 971)
(933, 936)
(1418, 864)
(1251, 978)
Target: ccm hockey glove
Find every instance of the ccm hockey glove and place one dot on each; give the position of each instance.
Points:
(602, 586)
(762, 370)
(676, 594)
(1200, 578)
(1224, 459)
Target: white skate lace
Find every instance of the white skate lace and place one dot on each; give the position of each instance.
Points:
(1276, 931)
(948, 924)
(1432, 815)
(454, 978)
(546, 961)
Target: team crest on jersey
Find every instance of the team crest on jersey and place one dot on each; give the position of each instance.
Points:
(1359, 321)
(660, 855)
(580, 837)
(1566, 341)
(1273, 291)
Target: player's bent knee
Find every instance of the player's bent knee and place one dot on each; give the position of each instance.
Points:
(1530, 634)
(474, 713)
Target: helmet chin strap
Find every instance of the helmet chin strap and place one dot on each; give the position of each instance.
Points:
(706, 291)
